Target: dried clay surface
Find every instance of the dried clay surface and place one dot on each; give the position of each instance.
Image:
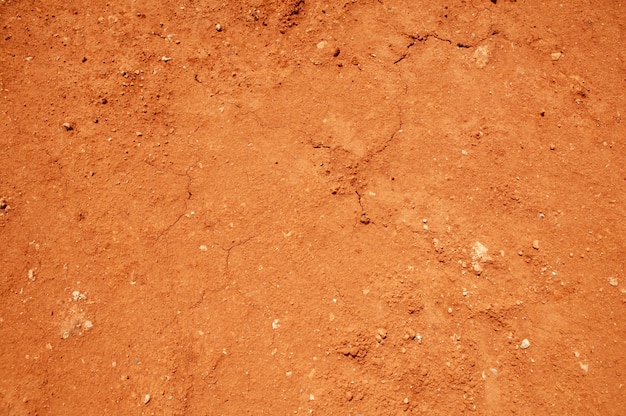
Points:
(303, 207)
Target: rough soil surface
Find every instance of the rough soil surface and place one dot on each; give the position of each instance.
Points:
(299, 207)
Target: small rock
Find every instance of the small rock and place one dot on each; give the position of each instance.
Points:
(536, 244)
(406, 400)
(218, 27)
(525, 344)
(438, 246)
(382, 332)
(555, 56)
(349, 396)
(479, 255)
(613, 281)
(76, 295)
(481, 56)
(165, 59)
(146, 399)
(139, 134)
(409, 334)
(68, 127)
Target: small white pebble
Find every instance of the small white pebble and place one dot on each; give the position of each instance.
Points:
(525, 344)
(76, 295)
(146, 399)
(203, 248)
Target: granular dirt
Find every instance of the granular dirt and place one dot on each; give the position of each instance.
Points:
(298, 207)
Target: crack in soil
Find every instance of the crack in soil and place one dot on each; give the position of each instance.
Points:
(365, 219)
(184, 214)
(434, 35)
(232, 246)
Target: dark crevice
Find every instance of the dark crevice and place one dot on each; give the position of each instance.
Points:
(231, 247)
(365, 219)
(415, 39)
(321, 146)
(409, 46)
(424, 38)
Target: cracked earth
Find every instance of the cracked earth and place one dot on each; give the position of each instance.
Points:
(297, 207)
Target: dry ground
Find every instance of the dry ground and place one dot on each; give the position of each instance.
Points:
(279, 215)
